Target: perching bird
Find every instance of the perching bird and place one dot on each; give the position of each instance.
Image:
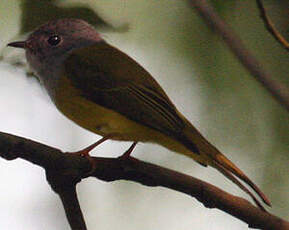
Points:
(107, 92)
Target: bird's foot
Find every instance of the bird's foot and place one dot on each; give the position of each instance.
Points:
(85, 153)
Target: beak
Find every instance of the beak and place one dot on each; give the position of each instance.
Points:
(21, 44)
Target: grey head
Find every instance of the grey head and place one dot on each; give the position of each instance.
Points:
(51, 43)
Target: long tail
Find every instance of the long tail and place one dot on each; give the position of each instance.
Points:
(240, 185)
(208, 155)
(222, 163)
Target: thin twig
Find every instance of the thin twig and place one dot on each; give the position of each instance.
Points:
(278, 91)
(65, 170)
(270, 26)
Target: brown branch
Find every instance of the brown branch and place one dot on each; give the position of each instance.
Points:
(64, 182)
(64, 171)
(278, 91)
(270, 26)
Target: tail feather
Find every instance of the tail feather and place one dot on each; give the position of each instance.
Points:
(231, 167)
(232, 178)
(208, 154)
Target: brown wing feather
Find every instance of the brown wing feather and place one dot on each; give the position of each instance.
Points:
(112, 79)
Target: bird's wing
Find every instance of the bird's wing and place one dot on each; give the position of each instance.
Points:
(110, 78)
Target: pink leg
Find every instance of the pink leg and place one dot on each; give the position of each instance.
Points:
(85, 151)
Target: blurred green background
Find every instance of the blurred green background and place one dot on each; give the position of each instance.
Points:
(203, 79)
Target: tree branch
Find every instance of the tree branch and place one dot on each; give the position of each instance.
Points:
(63, 182)
(270, 26)
(277, 90)
(64, 171)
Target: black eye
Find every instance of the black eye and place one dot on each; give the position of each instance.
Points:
(54, 40)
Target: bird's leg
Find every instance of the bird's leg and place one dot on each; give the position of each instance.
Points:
(85, 153)
(127, 153)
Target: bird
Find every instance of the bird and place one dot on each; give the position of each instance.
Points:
(107, 92)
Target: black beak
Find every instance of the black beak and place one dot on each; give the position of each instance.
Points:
(21, 44)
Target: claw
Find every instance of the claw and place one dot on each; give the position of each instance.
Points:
(85, 153)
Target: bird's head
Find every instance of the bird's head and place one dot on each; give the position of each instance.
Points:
(53, 41)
